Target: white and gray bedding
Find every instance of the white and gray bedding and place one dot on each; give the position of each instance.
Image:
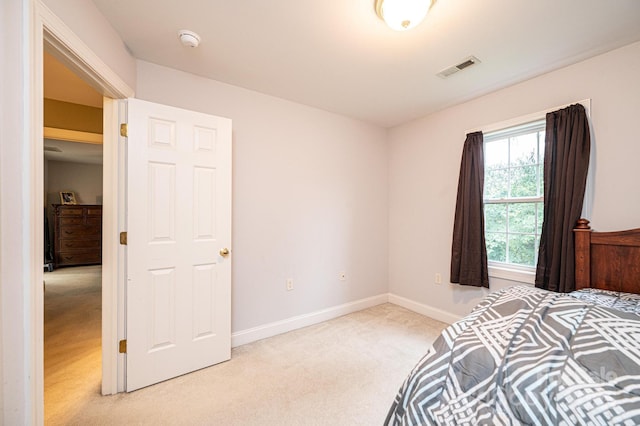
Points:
(529, 356)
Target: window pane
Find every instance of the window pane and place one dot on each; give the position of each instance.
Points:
(541, 180)
(541, 163)
(496, 154)
(524, 150)
(540, 212)
(496, 184)
(522, 249)
(495, 217)
(514, 167)
(522, 218)
(496, 247)
(524, 181)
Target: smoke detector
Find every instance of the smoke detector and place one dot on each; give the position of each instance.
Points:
(466, 62)
(189, 38)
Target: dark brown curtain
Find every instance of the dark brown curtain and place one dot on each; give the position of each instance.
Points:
(468, 251)
(566, 160)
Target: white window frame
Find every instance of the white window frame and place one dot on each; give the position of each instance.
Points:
(513, 131)
(513, 272)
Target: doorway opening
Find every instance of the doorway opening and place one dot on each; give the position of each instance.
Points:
(73, 195)
(51, 34)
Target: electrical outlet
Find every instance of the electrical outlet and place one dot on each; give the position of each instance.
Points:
(289, 284)
(438, 278)
(343, 276)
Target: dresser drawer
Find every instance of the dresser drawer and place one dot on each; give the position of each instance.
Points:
(78, 231)
(79, 220)
(66, 245)
(70, 220)
(71, 211)
(79, 258)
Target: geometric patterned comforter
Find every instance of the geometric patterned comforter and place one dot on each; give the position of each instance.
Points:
(529, 356)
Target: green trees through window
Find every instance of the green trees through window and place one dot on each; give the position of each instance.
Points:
(514, 193)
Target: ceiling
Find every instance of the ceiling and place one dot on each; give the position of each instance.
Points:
(62, 84)
(72, 152)
(337, 55)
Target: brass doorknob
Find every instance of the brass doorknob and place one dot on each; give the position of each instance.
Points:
(224, 252)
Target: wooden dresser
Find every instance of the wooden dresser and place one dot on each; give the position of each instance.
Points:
(77, 234)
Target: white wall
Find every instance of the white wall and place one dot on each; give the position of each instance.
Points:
(310, 198)
(15, 356)
(87, 22)
(424, 162)
(85, 180)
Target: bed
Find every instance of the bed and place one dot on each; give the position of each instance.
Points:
(529, 356)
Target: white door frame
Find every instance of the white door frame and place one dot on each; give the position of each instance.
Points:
(47, 28)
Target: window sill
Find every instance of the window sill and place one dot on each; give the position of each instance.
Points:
(527, 277)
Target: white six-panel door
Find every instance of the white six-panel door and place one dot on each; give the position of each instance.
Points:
(178, 290)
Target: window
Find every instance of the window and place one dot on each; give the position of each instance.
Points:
(514, 194)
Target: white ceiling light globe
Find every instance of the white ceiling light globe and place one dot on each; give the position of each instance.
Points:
(402, 15)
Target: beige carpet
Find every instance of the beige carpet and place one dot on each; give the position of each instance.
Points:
(342, 372)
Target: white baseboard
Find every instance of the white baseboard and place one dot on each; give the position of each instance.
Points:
(279, 327)
(426, 310)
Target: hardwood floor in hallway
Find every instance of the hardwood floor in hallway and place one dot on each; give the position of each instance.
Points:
(72, 339)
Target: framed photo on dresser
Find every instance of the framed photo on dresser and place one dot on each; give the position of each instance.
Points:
(67, 197)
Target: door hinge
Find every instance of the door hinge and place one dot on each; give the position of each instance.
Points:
(123, 238)
(123, 130)
(122, 346)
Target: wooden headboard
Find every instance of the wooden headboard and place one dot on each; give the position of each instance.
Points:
(607, 260)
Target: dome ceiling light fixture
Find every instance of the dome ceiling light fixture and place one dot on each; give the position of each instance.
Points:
(402, 15)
